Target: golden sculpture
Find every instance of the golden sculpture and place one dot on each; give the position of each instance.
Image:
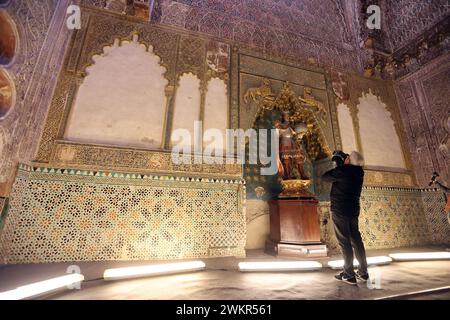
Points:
(304, 109)
(317, 107)
(291, 157)
(300, 124)
(263, 92)
(295, 189)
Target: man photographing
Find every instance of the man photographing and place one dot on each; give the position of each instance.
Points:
(444, 188)
(347, 180)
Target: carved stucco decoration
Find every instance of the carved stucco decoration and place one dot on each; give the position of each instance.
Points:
(340, 85)
(444, 146)
(384, 92)
(40, 42)
(191, 56)
(103, 29)
(424, 104)
(288, 30)
(100, 30)
(133, 160)
(427, 46)
(381, 178)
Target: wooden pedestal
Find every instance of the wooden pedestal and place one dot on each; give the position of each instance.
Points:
(295, 229)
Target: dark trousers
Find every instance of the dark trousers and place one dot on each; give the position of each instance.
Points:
(349, 239)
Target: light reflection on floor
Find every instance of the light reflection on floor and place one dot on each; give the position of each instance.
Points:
(395, 279)
(223, 281)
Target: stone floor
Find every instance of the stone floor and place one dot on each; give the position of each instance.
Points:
(223, 281)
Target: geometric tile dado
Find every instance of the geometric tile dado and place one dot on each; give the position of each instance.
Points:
(79, 215)
(434, 202)
(74, 215)
(394, 217)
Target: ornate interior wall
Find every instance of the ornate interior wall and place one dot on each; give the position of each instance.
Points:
(128, 111)
(40, 47)
(424, 99)
(62, 147)
(390, 217)
(283, 28)
(209, 68)
(408, 19)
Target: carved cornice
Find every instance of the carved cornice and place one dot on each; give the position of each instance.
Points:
(428, 46)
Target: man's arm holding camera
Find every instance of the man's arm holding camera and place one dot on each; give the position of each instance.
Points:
(336, 174)
(434, 180)
(333, 175)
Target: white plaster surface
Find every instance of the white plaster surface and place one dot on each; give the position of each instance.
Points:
(216, 109)
(257, 232)
(380, 142)
(187, 105)
(122, 100)
(346, 128)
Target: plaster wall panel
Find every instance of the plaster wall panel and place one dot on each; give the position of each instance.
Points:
(122, 100)
(187, 106)
(380, 143)
(258, 230)
(216, 109)
(346, 128)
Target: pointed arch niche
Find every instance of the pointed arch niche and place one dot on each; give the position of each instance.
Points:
(186, 107)
(380, 142)
(122, 99)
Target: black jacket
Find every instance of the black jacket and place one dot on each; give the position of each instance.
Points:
(346, 189)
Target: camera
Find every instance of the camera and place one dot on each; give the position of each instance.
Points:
(339, 157)
(433, 178)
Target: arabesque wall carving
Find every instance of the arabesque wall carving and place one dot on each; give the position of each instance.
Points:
(424, 104)
(200, 56)
(33, 70)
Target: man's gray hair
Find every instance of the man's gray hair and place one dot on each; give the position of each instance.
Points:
(356, 159)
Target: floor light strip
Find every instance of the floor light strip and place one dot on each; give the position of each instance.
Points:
(42, 287)
(153, 270)
(379, 260)
(279, 266)
(417, 256)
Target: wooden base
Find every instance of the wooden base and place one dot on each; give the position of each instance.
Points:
(295, 229)
(302, 251)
